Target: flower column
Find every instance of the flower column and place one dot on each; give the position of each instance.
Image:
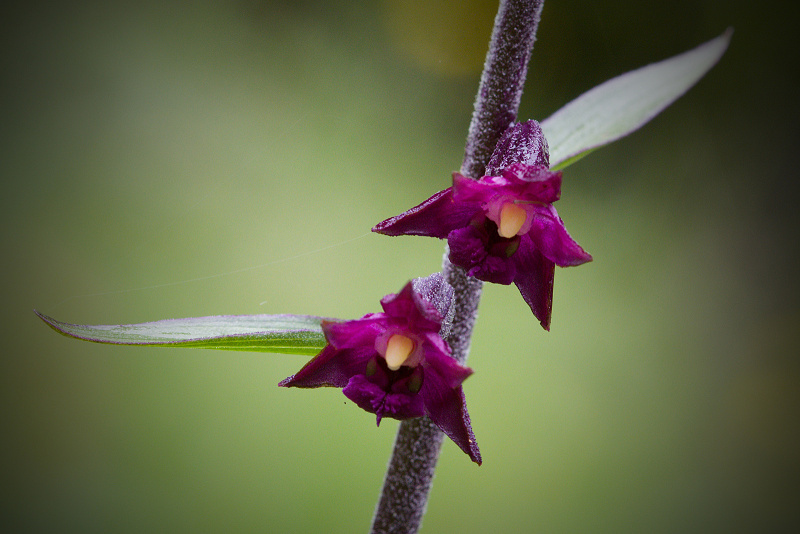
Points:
(410, 472)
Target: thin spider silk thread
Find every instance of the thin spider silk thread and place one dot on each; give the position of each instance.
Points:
(211, 276)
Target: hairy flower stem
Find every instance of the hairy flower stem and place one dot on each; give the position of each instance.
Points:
(410, 473)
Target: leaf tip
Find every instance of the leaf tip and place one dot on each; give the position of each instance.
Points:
(47, 319)
(52, 323)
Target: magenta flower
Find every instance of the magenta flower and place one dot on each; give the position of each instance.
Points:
(502, 228)
(395, 364)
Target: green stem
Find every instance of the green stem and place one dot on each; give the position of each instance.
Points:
(410, 473)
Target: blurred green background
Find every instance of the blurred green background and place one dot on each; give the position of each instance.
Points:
(147, 146)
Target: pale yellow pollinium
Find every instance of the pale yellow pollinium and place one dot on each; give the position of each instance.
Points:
(398, 349)
(512, 217)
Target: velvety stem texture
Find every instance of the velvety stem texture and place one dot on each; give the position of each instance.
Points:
(410, 473)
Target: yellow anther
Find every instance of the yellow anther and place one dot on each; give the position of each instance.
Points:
(398, 350)
(512, 217)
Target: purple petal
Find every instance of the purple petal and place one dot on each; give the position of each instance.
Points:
(446, 368)
(413, 309)
(551, 238)
(331, 368)
(435, 217)
(357, 333)
(434, 342)
(447, 408)
(534, 279)
(520, 143)
(525, 183)
(534, 183)
(444, 399)
(477, 192)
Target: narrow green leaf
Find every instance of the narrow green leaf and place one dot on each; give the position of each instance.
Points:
(288, 334)
(623, 104)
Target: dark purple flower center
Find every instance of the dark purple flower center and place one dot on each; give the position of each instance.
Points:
(387, 393)
(494, 243)
(483, 252)
(405, 380)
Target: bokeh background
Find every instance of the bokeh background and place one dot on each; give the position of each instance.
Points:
(148, 147)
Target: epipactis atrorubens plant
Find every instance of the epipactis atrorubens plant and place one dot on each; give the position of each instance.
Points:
(407, 362)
